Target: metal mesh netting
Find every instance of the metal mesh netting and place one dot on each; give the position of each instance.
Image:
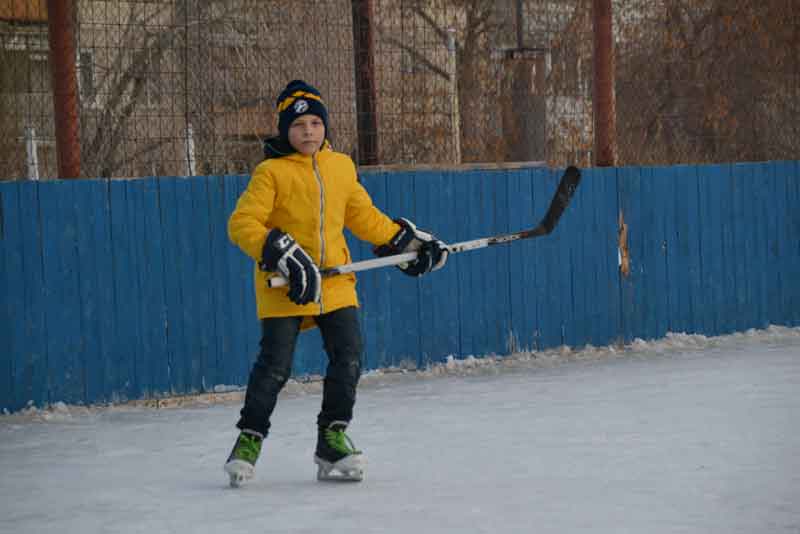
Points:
(182, 87)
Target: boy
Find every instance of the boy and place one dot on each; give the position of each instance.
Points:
(290, 220)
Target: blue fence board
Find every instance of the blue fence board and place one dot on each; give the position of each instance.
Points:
(403, 290)
(775, 206)
(31, 370)
(521, 260)
(173, 299)
(793, 194)
(61, 277)
(374, 320)
(120, 376)
(12, 311)
(601, 259)
(93, 227)
(238, 319)
(116, 290)
(709, 230)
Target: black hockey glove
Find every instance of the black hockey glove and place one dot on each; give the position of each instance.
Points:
(282, 254)
(431, 252)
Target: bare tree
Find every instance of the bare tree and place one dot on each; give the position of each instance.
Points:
(708, 81)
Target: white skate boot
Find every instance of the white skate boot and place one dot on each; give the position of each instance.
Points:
(336, 457)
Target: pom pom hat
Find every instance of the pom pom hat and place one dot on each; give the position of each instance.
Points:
(299, 98)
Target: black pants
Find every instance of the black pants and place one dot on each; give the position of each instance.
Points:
(341, 335)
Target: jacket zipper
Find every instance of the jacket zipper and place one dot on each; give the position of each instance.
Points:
(321, 221)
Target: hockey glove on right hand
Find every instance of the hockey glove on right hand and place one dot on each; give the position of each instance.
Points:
(431, 252)
(282, 254)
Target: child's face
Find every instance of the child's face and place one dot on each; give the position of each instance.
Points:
(306, 134)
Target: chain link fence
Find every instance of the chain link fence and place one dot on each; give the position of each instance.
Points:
(185, 87)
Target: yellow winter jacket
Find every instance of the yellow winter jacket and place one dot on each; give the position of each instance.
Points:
(312, 198)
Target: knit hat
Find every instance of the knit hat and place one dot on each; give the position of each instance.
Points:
(299, 98)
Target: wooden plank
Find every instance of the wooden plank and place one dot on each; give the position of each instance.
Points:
(659, 288)
(521, 269)
(676, 226)
(742, 246)
(548, 298)
(605, 324)
(12, 312)
(762, 206)
(241, 319)
(203, 319)
(607, 319)
(62, 282)
(775, 211)
(155, 360)
(31, 362)
(575, 332)
(438, 316)
(189, 362)
(121, 376)
(782, 243)
(217, 243)
(227, 363)
(173, 298)
(138, 266)
(630, 206)
(403, 290)
(93, 223)
(793, 190)
(473, 276)
(253, 335)
(494, 186)
(581, 233)
(687, 189)
(730, 261)
(710, 243)
(375, 292)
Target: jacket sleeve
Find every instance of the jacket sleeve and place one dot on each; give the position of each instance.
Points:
(367, 222)
(247, 225)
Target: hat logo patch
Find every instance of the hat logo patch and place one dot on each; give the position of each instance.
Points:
(301, 106)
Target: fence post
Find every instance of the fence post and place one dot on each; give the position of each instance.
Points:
(65, 87)
(605, 129)
(32, 153)
(191, 164)
(452, 61)
(364, 50)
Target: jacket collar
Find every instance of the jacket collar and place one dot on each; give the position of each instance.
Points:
(277, 147)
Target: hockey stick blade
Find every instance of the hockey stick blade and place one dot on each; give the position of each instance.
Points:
(561, 199)
(566, 189)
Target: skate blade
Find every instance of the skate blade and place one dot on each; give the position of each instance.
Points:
(239, 472)
(348, 469)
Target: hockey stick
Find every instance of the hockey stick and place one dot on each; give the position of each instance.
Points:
(566, 189)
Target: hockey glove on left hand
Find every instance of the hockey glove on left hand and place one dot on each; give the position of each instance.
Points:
(282, 254)
(431, 252)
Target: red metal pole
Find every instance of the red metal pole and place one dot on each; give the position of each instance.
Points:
(605, 127)
(364, 51)
(65, 87)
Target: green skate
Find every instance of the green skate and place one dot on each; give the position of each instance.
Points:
(241, 462)
(336, 456)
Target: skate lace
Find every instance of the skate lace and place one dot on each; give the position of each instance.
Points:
(340, 441)
(248, 448)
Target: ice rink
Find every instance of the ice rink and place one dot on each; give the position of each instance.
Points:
(684, 435)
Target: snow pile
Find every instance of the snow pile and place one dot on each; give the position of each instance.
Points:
(672, 343)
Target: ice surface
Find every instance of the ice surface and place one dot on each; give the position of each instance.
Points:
(685, 434)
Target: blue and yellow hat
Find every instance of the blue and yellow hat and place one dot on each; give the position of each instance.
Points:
(299, 98)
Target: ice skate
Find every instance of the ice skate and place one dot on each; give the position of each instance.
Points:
(241, 462)
(336, 456)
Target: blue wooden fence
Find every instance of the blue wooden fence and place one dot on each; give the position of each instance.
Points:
(116, 290)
